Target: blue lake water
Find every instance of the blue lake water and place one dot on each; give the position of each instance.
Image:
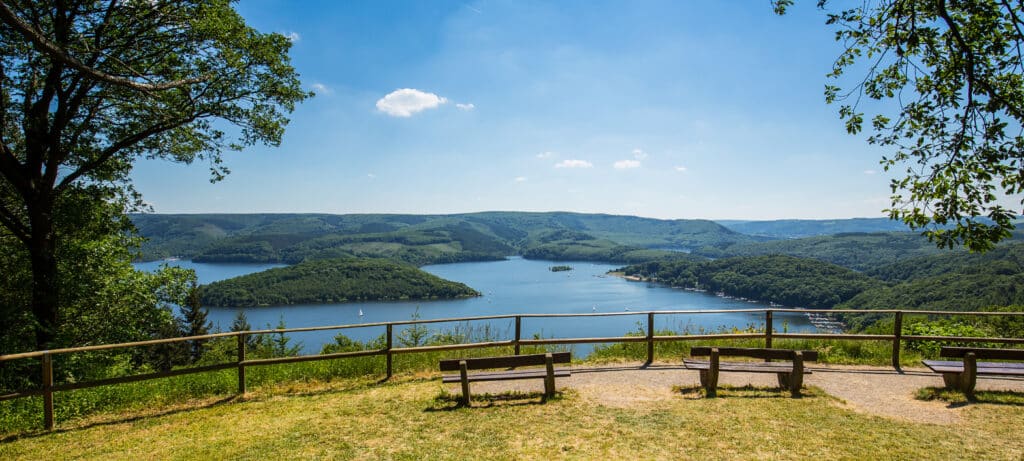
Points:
(514, 286)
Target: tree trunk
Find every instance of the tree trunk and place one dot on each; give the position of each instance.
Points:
(42, 248)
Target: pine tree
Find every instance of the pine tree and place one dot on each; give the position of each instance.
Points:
(195, 323)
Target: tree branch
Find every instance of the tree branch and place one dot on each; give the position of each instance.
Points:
(113, 149)
(18, 229)
(57, 53)
(965, 50)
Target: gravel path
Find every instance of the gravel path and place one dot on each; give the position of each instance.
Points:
(873, 390)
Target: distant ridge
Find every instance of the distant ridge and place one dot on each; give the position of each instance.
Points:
(798, 228)
(424, 239)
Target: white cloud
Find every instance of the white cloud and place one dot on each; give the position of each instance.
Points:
(320, 88)
(681, 169)
(407, 101)
(371, 176)
(626, 164)
(466, 107)
(520, 179)
(639, 154)
(293, 36)
(546, 154)
(870, 172)
(573, 163)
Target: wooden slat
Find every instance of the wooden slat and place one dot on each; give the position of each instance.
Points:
(504, 361)
(143, 377)
(753, 352)
(20, 394)
(312, 357)
(507, 375)
(832, 336)
(605, 339)
(983, 353)
(984, 368)
(450, 347)
(748, 367)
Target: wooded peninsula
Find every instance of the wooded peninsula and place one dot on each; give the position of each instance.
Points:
(332, 281)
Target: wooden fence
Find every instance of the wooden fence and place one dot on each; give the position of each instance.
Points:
(769, 334)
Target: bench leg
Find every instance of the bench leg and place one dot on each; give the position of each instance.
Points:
(796, 379)
(783, 380)
(969, 377)
(464, 374)
(549, 379)
(951, 380)
(711, 380)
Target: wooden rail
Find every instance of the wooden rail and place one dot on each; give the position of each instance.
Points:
(48, 388)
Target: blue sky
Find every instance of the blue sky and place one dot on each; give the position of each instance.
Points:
(660, 109)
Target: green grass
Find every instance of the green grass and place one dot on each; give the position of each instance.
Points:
(957, 398)
(413, 418)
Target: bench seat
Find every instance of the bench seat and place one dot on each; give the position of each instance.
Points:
(548, 373)
(788, 365)
(963, 374)
(748, 367)
(984, 368)
(507, 375)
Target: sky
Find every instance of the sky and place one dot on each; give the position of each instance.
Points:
(692, 110)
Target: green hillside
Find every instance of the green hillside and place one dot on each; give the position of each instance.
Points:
(950, 280)
(423, 239)
(786, 280)
(332, 281)
(857, 251)
(957, 281)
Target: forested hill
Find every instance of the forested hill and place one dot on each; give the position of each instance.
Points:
(332, 281)
(786, 280)
(950, 280)
(422, 239)
(858, 251)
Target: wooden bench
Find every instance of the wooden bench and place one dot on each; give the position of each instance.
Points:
(790, 370)
(548, 373)
(963, 374)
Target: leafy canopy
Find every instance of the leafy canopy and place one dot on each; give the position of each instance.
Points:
(88, 87)
(953, 69)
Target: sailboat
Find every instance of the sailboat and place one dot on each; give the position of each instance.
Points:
(360, 312)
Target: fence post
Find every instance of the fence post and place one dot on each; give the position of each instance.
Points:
(48, 391)
(519, 332)
(388, 373)
(768, 328)
(897, 334)
(650, 338)
(241, 366)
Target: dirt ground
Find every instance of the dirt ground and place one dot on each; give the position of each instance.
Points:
(873, 390)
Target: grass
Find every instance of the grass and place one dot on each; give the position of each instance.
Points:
(956, 398)
(414, 418)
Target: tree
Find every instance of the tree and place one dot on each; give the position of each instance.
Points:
(194, 322)
(241, 323)
(88, 87)
(954, 70)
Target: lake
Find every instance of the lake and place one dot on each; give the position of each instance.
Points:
(514, 286)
